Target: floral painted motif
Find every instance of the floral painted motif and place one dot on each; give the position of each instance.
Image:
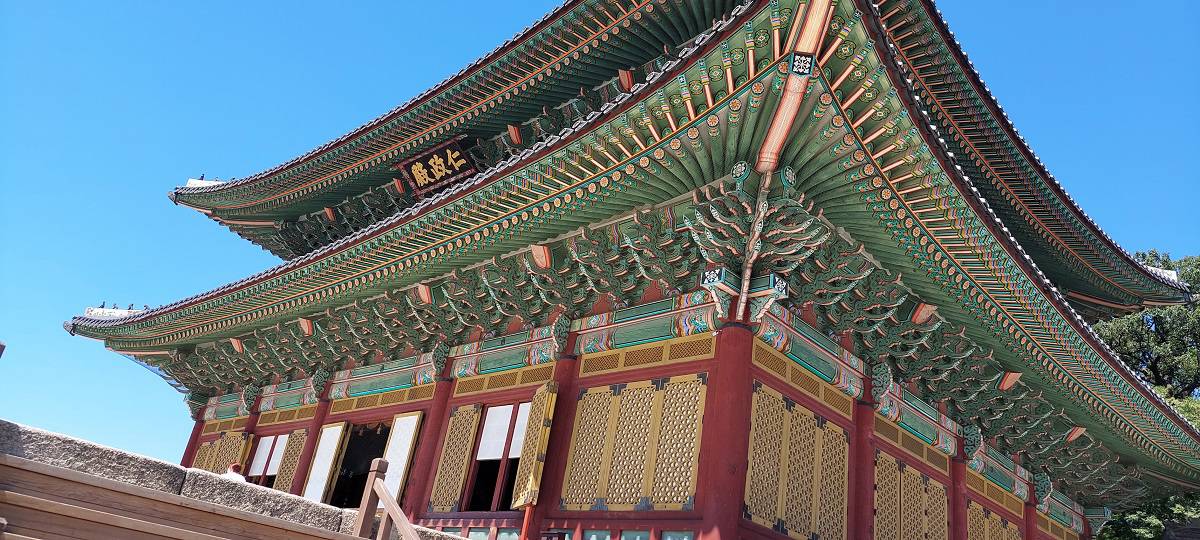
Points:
(693, 298)
(425, 374)
(770, 332)
(595, 341)
(466, 367)
(694, 322)
(541, 353)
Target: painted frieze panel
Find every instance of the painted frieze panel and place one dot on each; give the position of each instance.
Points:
(803, 345)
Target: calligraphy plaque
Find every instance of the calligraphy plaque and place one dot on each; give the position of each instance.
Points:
(437, 167)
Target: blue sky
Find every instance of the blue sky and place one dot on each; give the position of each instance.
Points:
(104, 107)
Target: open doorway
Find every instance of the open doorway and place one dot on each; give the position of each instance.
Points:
(364, 443)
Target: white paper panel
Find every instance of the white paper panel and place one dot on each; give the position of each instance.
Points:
(260, 456)
(323, 458)
(495, 430)
(518, 441)
(277, 454)
(399, 449)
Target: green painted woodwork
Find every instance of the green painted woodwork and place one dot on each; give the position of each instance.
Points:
(866, 220)
(581, 45)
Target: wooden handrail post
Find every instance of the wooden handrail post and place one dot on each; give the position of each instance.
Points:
(370, 500)
(376, 492)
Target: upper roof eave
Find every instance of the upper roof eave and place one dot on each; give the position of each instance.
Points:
(1081, 218)
(94, 327)
(1012, 246)
(183, 194)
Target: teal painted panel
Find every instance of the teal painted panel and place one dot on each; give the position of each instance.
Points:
(812, 360)
(652, 330)
(919, 404)
(502, 361)
(918, 426)
(384, 367)
(762, 283)
(382, 384)
(227, 411)
(289, 401)
(504, 341)
(999, 476)
(644, 310)
(1060, 515)
(822, 342)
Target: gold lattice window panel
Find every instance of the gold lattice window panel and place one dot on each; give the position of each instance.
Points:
(983, 524)
(533, 453)
(908, 504)
(636, 446)
(582, 481)
(456, 457)
(798, 469)
(887, 498)
(203, 456)
(290, 460)
(230, 448)
(937, 511)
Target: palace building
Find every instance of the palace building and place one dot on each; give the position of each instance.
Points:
(681, 270)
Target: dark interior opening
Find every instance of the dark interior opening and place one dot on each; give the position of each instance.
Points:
(510, 478)
(486, 473)
(365, 443)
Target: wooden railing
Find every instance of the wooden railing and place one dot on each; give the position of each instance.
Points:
(376, 492)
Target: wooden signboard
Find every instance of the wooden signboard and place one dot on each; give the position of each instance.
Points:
(437, 167)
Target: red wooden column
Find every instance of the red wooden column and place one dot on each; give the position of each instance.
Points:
(429, 441)
(189, 451)
(958, 498)
(862, 460)
(555, 469)
(310, 442)
(725, 441)
(1030, 526)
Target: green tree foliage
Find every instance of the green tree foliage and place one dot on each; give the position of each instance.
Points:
(1162, 344)
(1149, 521)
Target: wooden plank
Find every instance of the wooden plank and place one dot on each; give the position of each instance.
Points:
(47, 526)
(15, 536)
(72, 512)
